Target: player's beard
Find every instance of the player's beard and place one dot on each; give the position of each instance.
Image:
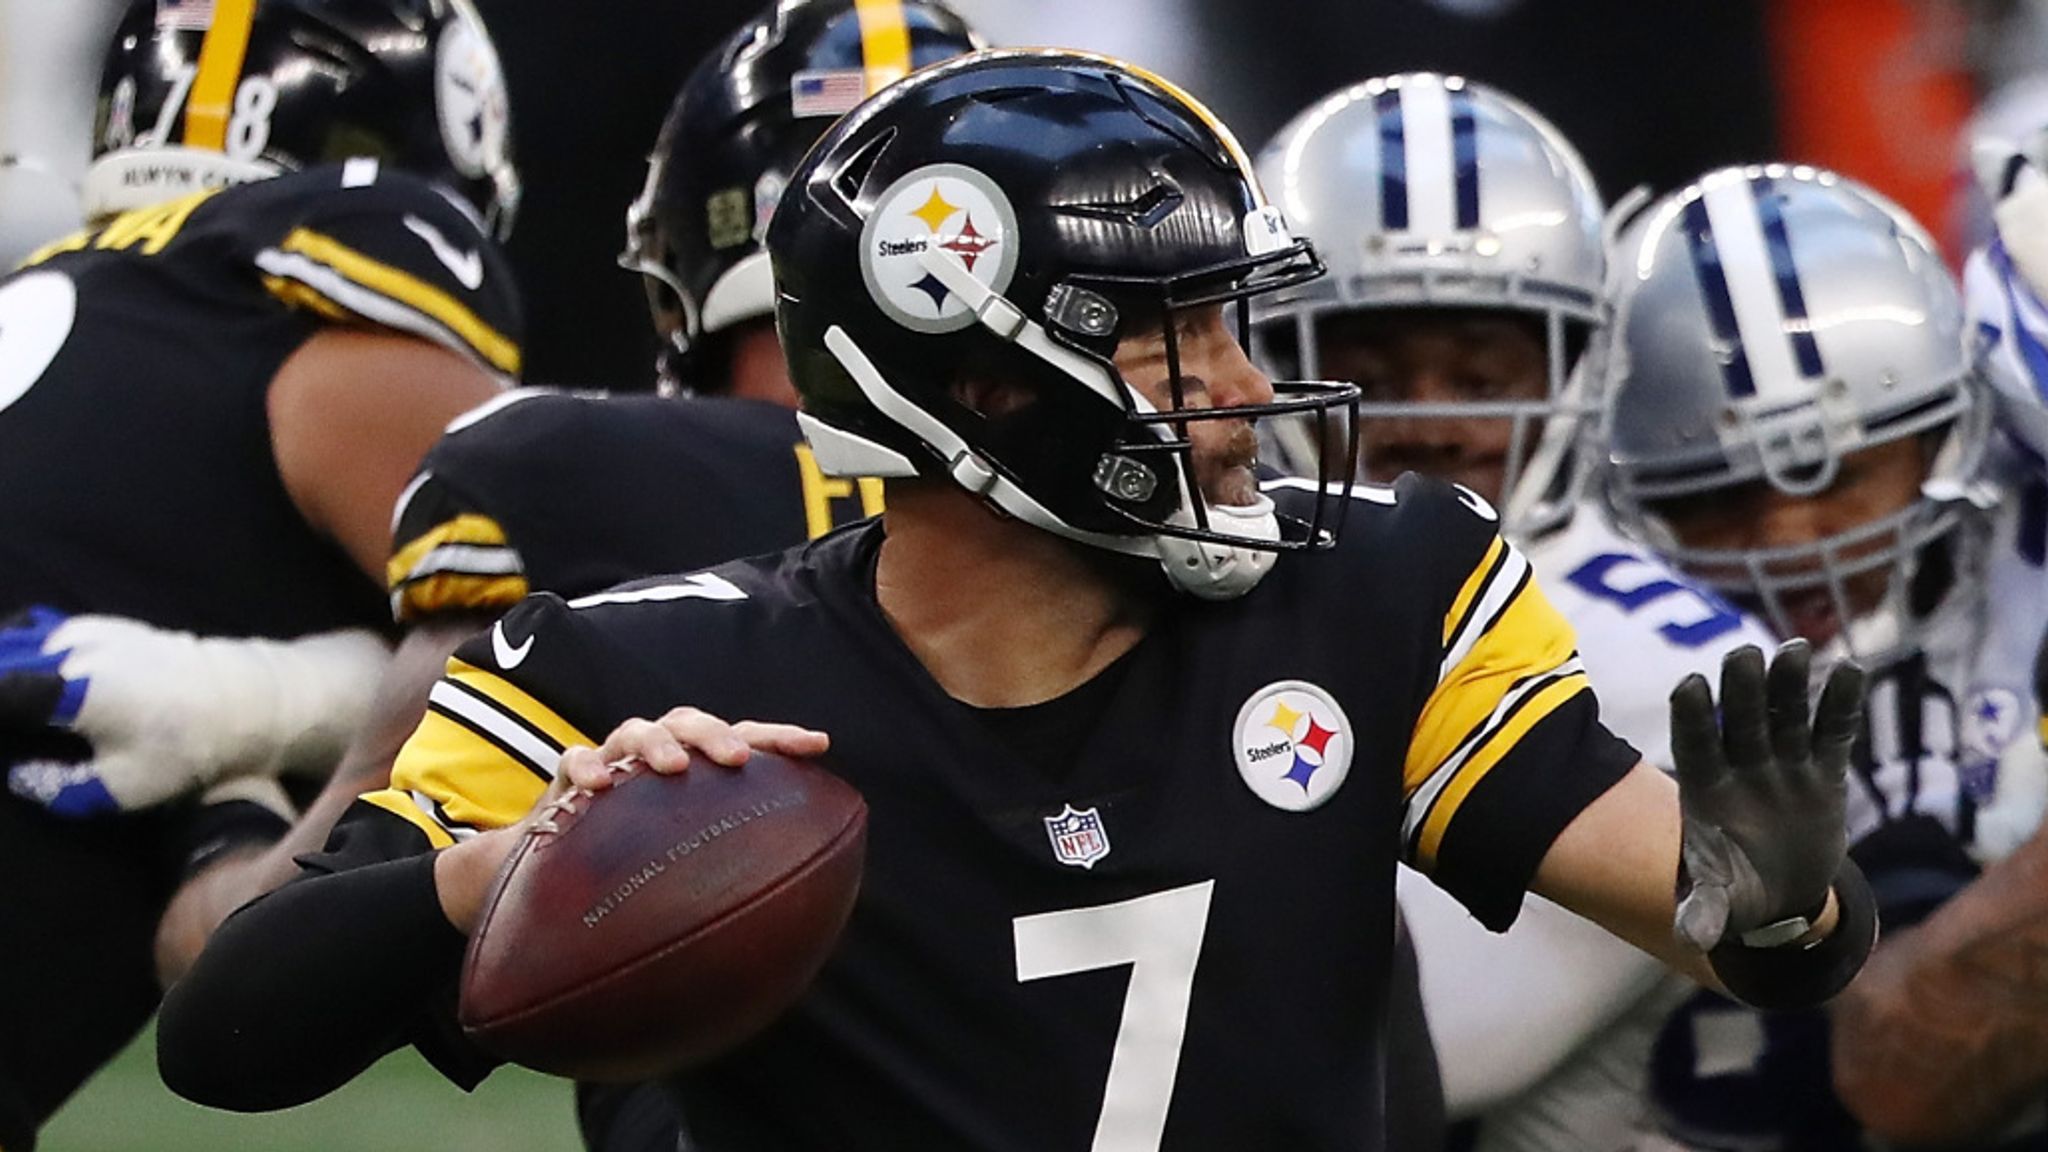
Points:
(1226, 461)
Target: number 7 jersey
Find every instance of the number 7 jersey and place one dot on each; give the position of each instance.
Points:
(1178, 937)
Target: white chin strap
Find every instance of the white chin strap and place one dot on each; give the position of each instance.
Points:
(1217, 571)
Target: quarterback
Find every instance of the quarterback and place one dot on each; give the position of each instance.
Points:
(1004, 284)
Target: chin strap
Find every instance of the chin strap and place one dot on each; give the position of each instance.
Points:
(1217, 571)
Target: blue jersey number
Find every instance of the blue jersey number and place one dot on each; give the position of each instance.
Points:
(1694, 618)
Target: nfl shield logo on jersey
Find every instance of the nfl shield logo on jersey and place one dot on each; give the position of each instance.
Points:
(1077, 836)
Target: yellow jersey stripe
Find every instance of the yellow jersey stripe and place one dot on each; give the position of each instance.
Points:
(476, 782)
(514, 701)
(300, 296)
(403, 287)
(401, 805)
(470, 528)
(884, 42)
(220, 73)
(457, 592)
(1528, 639)
(1497, 746)
(1469, 592)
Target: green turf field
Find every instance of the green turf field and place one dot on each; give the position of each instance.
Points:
(401, 1104)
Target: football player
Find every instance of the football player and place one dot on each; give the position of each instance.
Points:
(1940, 1043)
(1793, 418)
(209, 401)
(550, 490)
(1464, 238)
(1099, 691)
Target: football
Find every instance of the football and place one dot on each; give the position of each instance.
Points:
(665, 919)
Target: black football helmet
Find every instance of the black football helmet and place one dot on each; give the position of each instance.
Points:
(748, 112)
(1012, 216)
(205, 93)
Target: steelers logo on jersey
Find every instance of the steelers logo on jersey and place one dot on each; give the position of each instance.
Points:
(1293, 745)
(947, 211)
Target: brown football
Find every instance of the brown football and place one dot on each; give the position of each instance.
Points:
(665, 919)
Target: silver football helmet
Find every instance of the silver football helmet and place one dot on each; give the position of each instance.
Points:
(1429, 191)
(1770, 321)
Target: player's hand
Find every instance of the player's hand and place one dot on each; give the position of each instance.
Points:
(1762, 790)
(665, 745)
(159, 714)
(463, 874)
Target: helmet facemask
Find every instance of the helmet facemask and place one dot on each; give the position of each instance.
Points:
(1803, 459)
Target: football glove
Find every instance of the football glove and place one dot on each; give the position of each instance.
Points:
(1762, 791)
(167, 713)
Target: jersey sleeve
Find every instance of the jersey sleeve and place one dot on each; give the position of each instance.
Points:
(453, 552)
(360, 244)
(1508, 746)
(496, 725)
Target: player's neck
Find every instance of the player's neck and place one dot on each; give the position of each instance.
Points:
(1001, 614)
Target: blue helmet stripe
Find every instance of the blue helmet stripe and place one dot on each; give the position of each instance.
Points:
(1706, 266)
(1393, 161)
(1770, 211)
(1465, 157)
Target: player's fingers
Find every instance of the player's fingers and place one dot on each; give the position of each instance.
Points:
(1695, 737)
(1745, 729)
(1838, 718)
(698, 729)
(1786, 688)
(655, 742)
(585, 767)
(782, 739)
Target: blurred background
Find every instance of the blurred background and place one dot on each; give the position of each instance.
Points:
(1652, 93)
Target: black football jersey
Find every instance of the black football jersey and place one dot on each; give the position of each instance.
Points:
(571, 493)
(136, 471)
(1180, 939)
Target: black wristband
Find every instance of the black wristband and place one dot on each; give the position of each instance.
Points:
(218, 829)
(1790, 976)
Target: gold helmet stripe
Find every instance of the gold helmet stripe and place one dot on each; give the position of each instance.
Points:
(884, 41)
(220, 73)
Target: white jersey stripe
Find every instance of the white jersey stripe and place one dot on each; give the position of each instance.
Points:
(1491, 600)
(539, 755)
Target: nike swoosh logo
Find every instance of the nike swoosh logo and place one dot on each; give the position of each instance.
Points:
(509, 656)
(466, 267)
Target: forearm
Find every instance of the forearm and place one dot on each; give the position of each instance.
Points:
(1945, 1034)
(303, 989)
(203, 901)
(1617, 865)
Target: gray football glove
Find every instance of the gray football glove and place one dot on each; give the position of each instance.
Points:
(1761, 793)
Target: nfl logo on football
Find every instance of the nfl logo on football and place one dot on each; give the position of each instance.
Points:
(1077, 836)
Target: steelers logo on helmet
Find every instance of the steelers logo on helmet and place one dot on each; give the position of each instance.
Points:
(1293, 745)
(469, 88)
(947, 210)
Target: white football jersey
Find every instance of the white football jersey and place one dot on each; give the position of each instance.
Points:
(1545, 1032)
(1954, 730)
